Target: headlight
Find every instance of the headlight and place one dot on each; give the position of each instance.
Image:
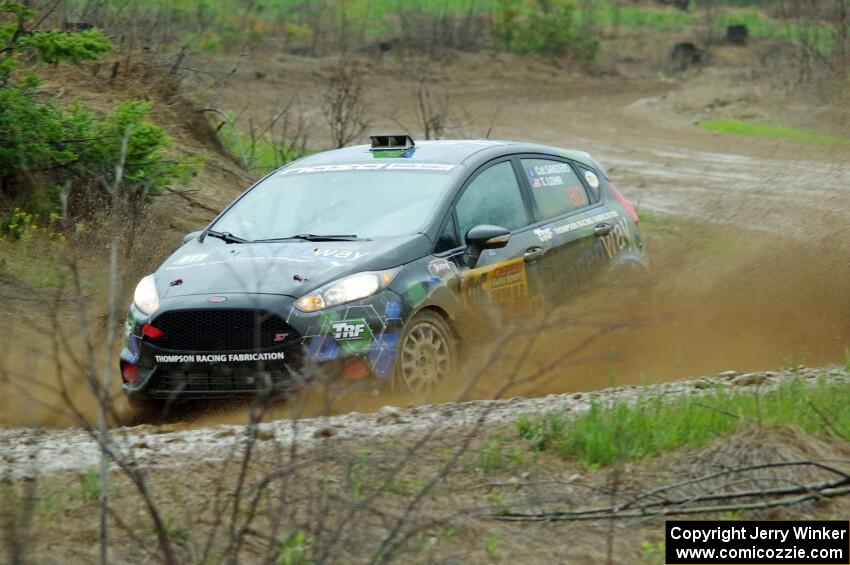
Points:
(350, 288)
(146, 298)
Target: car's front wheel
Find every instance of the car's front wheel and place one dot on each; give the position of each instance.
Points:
(427, 353)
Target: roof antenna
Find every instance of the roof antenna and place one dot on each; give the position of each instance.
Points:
(492, 121)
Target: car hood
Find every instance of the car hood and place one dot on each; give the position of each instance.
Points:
(288, 268)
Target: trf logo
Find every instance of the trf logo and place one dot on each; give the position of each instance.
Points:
(345, 330)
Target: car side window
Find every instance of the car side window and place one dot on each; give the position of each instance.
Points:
(494, 198)
(593, 182)
(447, 240)
(555, 187)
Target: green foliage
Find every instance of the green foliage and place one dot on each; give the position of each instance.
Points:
(293, 550)
(22, 226)
(546, 27)
(491, 546)
(89, 486)
(264, 153)
(147, 171)
(52, 158)
(608, 433)
(776, 131)
(54, 45)
(653, 553)
(494, 455)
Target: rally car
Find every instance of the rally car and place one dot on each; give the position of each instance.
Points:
(376, 261)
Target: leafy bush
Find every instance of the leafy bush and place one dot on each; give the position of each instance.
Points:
(54, 159)
(546, 27)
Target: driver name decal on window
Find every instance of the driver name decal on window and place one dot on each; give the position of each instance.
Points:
(354, 167)
(542, 176)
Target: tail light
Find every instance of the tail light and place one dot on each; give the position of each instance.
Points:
(624, 202)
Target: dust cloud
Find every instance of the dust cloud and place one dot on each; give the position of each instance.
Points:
(717, 300)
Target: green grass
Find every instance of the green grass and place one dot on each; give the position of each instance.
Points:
(660, 19)
(261, 156)
(497, 454)
(775, 131)
(653, 425)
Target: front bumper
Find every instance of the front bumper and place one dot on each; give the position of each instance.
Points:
(247, 344)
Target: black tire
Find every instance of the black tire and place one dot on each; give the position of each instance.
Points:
(426, 355)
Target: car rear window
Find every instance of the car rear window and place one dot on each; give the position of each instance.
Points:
(555, 187)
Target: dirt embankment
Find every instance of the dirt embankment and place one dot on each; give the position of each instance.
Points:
(33, 452)
(449, 477)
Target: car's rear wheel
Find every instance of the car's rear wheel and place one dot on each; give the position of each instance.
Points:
(427, 353)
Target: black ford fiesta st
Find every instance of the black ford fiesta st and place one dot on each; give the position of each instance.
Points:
(375, 261)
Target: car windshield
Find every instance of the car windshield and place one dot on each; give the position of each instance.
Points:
(381, 201)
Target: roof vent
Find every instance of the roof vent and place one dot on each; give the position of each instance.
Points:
(391, 142)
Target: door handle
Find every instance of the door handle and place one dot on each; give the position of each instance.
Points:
(532, 254)
(602, 229)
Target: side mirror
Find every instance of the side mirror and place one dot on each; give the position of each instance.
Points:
(484, 237)
(190, 236)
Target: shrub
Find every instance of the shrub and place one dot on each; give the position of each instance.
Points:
(545, 27)
(53, 159)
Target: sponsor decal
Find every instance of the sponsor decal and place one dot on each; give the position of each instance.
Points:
(591, 179)
(191, 258)
(442, 268)
(335, 253)
(543, 234)
(416, 293)
(220, 358)
(504, 284)
(352, 336)
(354, 167)
(392, 309)
(349, 329)
(618, 239)
(577, 196)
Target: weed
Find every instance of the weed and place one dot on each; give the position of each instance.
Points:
(89, 486)
(293, 550)
(497, 502)
(399, 486)
(608, 433)
(776, 131)
(653, 552)
(491, 545)
(358, 475)
(496, 456)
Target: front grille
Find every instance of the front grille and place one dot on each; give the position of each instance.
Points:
(220, 381)
(221, 330)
